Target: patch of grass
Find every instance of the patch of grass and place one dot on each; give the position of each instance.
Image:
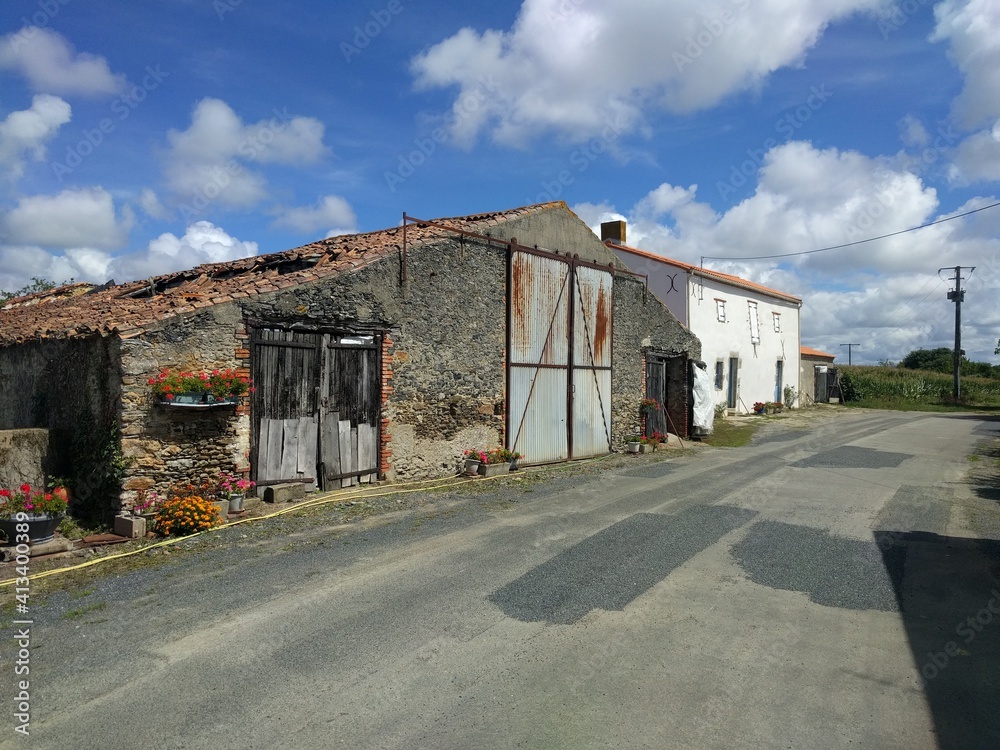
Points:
(74, 528)
(76, 614)
(728, 433)
(973, 457)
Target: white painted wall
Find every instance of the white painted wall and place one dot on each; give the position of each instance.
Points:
(721, 340)
(667, 282)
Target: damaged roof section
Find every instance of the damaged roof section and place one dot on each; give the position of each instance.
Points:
(127, 310)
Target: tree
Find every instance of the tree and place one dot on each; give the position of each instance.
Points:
(936, 360)
(37, 284)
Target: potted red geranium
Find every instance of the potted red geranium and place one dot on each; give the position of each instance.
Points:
(30, 514)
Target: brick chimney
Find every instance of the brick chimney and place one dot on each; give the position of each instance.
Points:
(614, 231)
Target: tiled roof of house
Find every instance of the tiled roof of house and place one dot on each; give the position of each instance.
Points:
(806, 351)
(128, 309)
(707, 273)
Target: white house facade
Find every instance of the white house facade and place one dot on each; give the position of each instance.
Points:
(749, 332)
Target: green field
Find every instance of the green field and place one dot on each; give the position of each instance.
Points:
(900, 388)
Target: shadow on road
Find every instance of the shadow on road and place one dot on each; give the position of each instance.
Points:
(948, 591)
(611, 568)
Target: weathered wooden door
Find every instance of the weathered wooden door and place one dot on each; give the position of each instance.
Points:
(559, 357)
(350, 409)
(315, 408)
(656, 388)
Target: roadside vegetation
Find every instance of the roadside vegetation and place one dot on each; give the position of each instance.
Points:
(923, 390)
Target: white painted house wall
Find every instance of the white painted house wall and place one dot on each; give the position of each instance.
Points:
(694, 301)
(722, 340)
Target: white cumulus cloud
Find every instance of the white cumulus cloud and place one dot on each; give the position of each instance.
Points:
(83, 217)
(50, 64)
(203, 242)
(573, 66)
(885, 294)
(208, 162)
(331, 214)
(23, 134)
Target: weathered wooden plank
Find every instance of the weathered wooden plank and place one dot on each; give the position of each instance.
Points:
(345, 451)
(274, 447)
(289, 450)
(331, 446)
(366, 450)
(307, 448)
(262, 449)
(354, 452)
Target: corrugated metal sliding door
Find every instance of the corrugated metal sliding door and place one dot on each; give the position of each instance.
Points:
(539, 357)
(591, 371)
(559, 357)
(350, 410)
(285, 368)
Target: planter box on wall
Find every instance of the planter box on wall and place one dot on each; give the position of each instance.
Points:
(198, 401)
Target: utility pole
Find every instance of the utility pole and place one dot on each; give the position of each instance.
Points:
(849, 348)
(957, 295)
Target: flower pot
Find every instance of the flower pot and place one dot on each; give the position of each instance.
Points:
(646, 448)
(491, 470)
(236, 503)
(40, 528)
(471, 467)
(633, 447)
(513, 464)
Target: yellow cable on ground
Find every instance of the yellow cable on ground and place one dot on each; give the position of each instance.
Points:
(324, 499)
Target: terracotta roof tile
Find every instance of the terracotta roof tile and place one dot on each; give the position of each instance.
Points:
(80, 310)
(806, 351)
(707, 272)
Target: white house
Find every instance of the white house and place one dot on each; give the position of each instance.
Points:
(749, 332)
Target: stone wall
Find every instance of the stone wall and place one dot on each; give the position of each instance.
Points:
(642, 323)
(23, 457)
(446, 326)
(72, 389)
(168, 445)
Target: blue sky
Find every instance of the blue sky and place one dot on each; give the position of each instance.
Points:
(143, 137)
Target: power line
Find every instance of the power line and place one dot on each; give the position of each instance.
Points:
(848, 244)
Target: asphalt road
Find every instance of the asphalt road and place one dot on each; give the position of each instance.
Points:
(824, 588)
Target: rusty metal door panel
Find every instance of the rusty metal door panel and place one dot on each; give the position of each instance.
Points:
(539, 333)
(537, 409)
(591, 417)
(592, 321)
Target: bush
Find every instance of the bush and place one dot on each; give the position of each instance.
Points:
(186, 515)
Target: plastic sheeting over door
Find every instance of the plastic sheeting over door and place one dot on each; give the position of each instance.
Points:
(559, 395)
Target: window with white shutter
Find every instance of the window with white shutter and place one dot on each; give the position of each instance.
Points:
(754, 324)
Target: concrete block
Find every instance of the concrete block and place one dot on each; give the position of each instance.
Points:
(131, 527)
(284, 493)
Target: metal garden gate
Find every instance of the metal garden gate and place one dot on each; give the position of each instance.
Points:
(316, 407)
(559, 356)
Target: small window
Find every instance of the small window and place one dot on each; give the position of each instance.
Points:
(719, 374)
(777, 322)
(720, 310)
(754, 324)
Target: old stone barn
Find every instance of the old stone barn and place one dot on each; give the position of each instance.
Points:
(372, 356)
